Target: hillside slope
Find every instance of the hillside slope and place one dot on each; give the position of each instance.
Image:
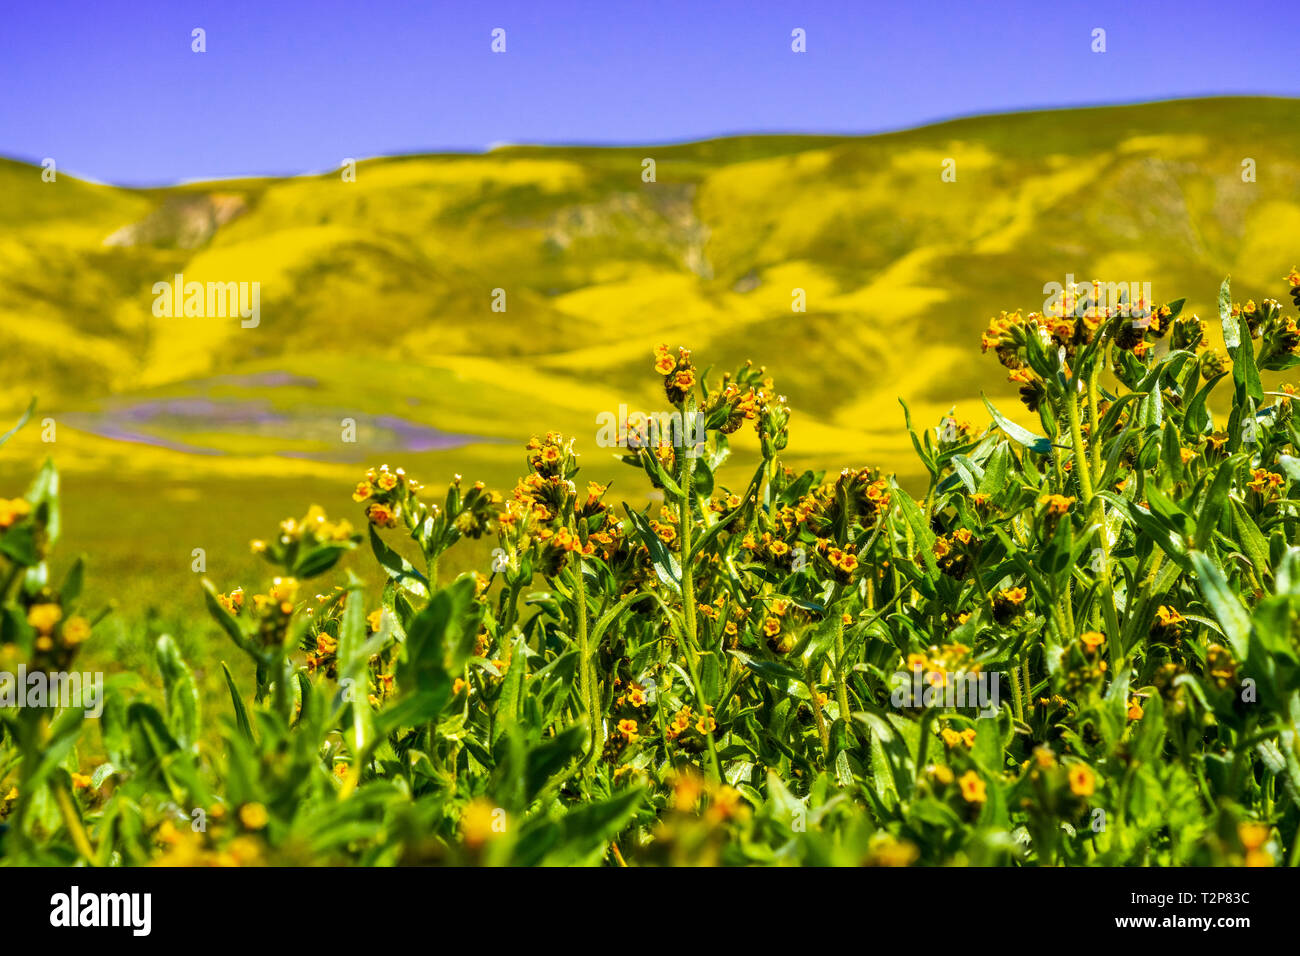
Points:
(376, 294)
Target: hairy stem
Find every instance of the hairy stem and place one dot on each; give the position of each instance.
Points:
(1096, 515)
(810, 681)
(72, 820)
(688, 579)
(586, 679)
(1015, 694)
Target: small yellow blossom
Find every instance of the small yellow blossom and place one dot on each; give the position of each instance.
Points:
(1082, 780)
(479, 822)
(76, 630)
(891, 852)
(1251, 834)
(253, 816)
(12, 510)
(973, 789)
(44, 617)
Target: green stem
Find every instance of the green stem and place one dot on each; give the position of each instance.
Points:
(1082, 472)
(688, 579)
(822, 732)
(1096, 515)
(1016, 700)
(15, 569)
(1094, 422)
(283, 699)
(587, 684)
(979, 580)
(841, 686)
(72, 820)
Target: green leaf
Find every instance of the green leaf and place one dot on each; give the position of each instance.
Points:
(241, 715)
(509, 702)
(776, 673)
(1197, 418)
(1236, 336)
(590, 826)
(927, 459)
(613, 613)
(1038, 444)
(1169, 541)
(318, 560)
(1252, 539)
(397, 567)
(1245, 374)
(352, 658)
(1230, 331)
(920, 527)
(64, 730)
(147, 731)
(711, 533)
(1227, 607)
(997, 471)
(551, 756)
(440, 639)
(701, 477)
(664, 561)
(417, 709)
(1215, 499)
(181, 692)
(26, 416)
(19, 545)
(44, 493)
(70, 590)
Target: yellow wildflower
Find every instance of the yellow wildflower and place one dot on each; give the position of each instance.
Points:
(973, 789)
(1082, 780)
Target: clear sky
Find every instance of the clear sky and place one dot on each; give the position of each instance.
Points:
(111, 89)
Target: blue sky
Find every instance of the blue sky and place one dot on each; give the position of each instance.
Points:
(111, 89)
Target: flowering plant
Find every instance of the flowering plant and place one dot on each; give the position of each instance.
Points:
(712, 678)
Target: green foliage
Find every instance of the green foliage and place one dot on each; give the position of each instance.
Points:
(733, 677)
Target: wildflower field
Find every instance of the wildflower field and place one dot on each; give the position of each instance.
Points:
(758, 674)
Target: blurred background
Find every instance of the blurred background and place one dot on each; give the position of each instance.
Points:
(133, 157)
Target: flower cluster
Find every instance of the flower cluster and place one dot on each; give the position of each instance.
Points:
(678, 372)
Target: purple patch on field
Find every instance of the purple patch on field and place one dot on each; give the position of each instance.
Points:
(141, 438)
(415, 437)
(164, 423)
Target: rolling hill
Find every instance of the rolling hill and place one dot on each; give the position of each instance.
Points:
(376, 295)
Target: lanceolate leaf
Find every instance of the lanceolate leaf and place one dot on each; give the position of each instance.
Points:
(1023, 436)
(1227, 607)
